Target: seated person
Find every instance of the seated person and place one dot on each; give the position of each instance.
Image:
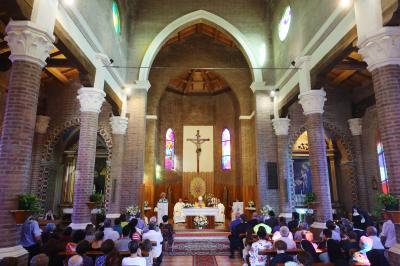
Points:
(110, 257)
(200, 203)
(261, 244)
(40, 259)
(372, 233)
(308, 245)
(271, 221)
(350, 245)
(122, 244)
(294, 223)
(89, 232)
(254, 220)
(145, 252)
(167, 231)
(49, 216)
(281, 256)
(98, 240)
(285, 236)
(266, 227)
(301, 229)
(77, 237)
(155, 236)
(335, 230)
(238, 226)
(304, 259)
(334, 252)
(134, 231)
(360, 257)
(110, 233)
(82, 248)
(75, 260)
(117, 226)
(134, 259)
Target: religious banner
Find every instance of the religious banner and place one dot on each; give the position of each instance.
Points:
(302, 176)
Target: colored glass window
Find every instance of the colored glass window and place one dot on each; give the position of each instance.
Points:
(226, 150)
(382, 168)
(116, 17)
(169, 162)
(284, 24)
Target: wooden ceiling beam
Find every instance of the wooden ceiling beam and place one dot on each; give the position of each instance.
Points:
(54, 72)
(65, 63)
(350, 65)
(343, 76)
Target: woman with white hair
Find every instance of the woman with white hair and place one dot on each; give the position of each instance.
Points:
(286, 237)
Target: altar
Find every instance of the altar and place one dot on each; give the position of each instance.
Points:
(210, 213)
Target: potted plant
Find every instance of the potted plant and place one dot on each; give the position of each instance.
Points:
(95, 200)
(28, 204)
(391, 204)
(310, 200)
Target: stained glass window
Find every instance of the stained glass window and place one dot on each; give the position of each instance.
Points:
(169, 162)
(284, 24)
(382, 168)
(226, 150)
(116, 17)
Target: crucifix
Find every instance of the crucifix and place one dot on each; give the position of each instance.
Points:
(198, 141)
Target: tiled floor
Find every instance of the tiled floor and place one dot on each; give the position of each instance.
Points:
(188, 261)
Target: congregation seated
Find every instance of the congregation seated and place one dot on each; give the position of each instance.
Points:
(81, 249)
(134, 231)
(122, 244)
(145, 251)
(109, 232)
(308, 245)
(238, 229)
(261, 244)
(117, 226)
(89, 232)
(350, 244)
(40, 260)
(66, 235)
(77, 236)
(134, 258)
(330, 225)
(281, 256)
(254, 220)
(301, 229)
(110, 255)
(48, 232)
(75, 260)
(272, 221)
(294, 223)
(98, 240)
(372, 233)
(155, 236)
(167, 231)
(333, 249)
(286, 236)
(267, 228)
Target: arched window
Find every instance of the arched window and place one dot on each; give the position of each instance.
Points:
(116, 18)
(284, 24)
(226, 150)
(382, 168)
(169, 162)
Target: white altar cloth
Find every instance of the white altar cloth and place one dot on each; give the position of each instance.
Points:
(207, 211)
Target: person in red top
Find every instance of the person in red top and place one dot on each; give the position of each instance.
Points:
(134, 235)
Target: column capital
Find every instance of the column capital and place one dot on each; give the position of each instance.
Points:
(119, 125)
(28, 43)
(91, 99)
(281, 126)
(42, 124)
(382, 48)
(312, 101)
(355, 125)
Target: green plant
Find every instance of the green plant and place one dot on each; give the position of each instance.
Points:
(389, 201)
(97, 197)
(29, 202)
(310, 197)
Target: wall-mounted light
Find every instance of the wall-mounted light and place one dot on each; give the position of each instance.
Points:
(68, 2)
(345, 3)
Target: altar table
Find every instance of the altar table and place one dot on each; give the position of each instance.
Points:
(210, 213)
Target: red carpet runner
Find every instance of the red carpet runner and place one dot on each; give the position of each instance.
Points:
(204, 261)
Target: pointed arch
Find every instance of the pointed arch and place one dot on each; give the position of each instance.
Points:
(169, 160)
(226, 162)
(191, 18)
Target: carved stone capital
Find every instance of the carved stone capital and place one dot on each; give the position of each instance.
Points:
(312, 101)
(355, 125)
(119, 125)
(382, 48)
(28, 43)
(42, 124)
(281, 126)
(91, 99)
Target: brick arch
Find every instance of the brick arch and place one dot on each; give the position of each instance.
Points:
(53, 138)
(339, 136)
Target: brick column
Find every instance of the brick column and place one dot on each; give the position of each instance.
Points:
(355, 125)
(119, 125)
(90, 100)
(133, 167)
(312, 102)
(42, 123)
(30, 47)
(281, 127)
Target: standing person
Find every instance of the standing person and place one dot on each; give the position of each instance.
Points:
(31, 236)
(134, 259)
(167, 231)
(388, 234)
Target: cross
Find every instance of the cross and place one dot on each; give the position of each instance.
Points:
(198, 141)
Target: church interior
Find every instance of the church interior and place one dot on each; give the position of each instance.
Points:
(201, 111)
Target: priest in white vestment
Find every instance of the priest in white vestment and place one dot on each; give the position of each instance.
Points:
(179, 217)
(220, 218)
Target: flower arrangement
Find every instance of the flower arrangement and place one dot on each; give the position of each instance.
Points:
(132, 210)
(200, 221)
(251, 204)
(145, 204)
(264, 210)
(188, 205)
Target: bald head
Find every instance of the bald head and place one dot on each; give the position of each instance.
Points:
(75, 260)
(40, 260)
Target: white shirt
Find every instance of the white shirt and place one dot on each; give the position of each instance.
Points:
(137, 261)
(109, 233)
(156, 237)
(389, 232)
(277, 235)
(289, 242)
(376, 242)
